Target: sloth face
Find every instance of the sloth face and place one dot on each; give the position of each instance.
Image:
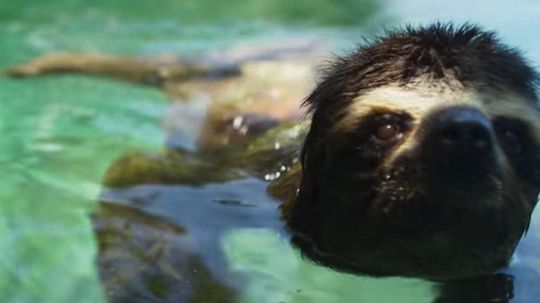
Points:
(432, 171)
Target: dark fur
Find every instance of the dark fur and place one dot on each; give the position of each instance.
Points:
(337, 210)
(477, 58)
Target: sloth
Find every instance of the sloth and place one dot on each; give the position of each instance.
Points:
(421, 156)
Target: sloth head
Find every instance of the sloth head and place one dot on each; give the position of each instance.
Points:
(423, 156)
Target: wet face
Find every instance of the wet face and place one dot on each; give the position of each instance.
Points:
(429, 179)
(442, 141)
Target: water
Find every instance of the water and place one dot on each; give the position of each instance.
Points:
(61, 133)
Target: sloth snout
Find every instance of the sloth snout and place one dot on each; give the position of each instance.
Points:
(464, 129)
(459, 137)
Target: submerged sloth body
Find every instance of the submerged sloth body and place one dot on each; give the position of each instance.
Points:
(421, 159)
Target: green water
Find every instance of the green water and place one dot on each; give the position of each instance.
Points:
(60, 133)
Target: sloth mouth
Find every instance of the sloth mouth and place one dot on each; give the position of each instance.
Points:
(412, 188)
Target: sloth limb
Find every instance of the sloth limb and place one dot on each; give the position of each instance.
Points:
(151, 71)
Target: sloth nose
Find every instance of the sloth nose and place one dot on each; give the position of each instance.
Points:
(464, 129)
(459, 141)
(459, 138)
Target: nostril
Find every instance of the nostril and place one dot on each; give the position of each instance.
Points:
(451, 135)
(465, 134)
(480, 137)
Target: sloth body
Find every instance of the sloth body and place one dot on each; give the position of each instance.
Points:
(421, 158)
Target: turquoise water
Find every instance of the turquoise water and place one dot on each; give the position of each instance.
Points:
(60, 133)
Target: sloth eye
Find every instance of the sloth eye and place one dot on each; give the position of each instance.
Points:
(388, 132)
(509, 134)
(388, 129)
(510, 141)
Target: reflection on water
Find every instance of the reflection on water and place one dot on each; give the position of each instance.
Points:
(179, 226)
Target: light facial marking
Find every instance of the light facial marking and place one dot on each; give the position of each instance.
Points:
(421, 98)
(417, 101)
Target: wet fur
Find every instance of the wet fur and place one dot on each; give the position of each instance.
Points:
(364, 209)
